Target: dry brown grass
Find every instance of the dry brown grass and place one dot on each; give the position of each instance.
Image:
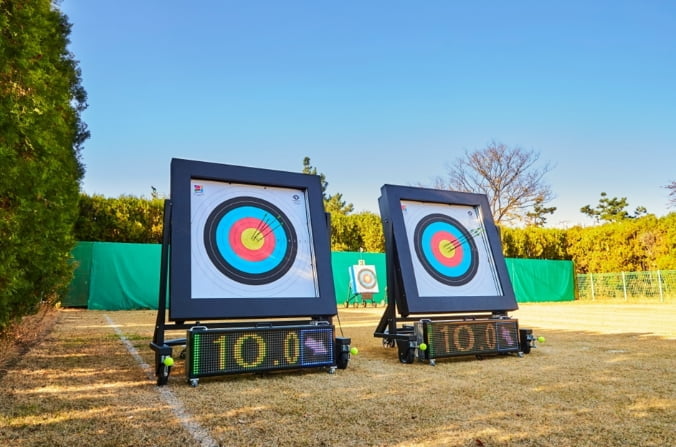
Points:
(19, 337)
(605, 377)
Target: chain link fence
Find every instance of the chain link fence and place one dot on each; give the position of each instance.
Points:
(650, 287)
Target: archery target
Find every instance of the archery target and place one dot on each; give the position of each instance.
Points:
(250, 241)
(446, 249)
(363, 279)
(450, 252)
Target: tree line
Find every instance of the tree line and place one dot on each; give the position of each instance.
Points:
(630, 244)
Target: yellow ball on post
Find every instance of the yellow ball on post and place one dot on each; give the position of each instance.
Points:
(168, 361)
(354, 350)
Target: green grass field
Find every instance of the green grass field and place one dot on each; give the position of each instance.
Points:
(604, 377)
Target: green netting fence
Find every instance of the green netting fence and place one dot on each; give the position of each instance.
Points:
(653, 286)
(125, 276)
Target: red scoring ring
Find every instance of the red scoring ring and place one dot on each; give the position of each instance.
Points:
(235, 238)
(436, 241)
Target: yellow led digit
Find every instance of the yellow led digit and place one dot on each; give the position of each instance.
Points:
(239, 345)
(291, 348)
(489, 333)
(457, 338)
(447, 343)
(222, 352)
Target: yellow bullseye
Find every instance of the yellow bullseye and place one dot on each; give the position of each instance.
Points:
(446, 248)
(252, 239)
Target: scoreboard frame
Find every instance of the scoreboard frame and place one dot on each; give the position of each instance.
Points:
(233, 350)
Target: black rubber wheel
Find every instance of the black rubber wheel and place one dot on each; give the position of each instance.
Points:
(342, 360)
(407, 356)
(524, 342)
(162, 380)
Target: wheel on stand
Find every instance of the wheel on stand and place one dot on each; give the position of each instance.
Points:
(406, 351)
(525, 338)
(407, 356)
(163, 377)
(342, 360)
(162, 370)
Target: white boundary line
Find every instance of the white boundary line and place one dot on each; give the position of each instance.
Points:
(199, 433)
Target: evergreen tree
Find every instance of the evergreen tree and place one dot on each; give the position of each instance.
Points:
(333, 204)
(41, 136)
(612, 210)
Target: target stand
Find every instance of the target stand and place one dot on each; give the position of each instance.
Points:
(448, 289)
(363, 284)
(360, 298)
(245, 274)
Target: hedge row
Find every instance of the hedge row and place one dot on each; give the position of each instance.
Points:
(646, 243)
(40, 138)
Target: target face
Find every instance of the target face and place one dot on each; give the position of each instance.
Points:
(446, 249)
(250, 240)
(452, 255)
(363, 279)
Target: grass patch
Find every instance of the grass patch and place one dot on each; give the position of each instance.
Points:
(604, 376)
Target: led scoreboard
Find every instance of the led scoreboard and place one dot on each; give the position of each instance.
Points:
(253, 349)
(475, 337)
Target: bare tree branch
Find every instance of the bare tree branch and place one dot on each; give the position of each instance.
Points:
(672, 193)
(509, 177)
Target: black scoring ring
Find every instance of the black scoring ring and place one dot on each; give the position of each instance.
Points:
(445, 269)
(273, 225)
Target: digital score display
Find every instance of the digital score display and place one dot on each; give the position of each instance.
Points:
(213, 352)
(454, 338)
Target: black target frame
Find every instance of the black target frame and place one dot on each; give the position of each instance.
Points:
(400, 254)
(411, 317)
(183, 305)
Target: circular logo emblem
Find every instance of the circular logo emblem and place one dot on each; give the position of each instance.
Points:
(250, 240)
(446, 249)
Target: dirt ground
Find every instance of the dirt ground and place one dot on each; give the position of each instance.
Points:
(604, 376)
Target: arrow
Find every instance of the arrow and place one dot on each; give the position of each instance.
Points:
(316, 346)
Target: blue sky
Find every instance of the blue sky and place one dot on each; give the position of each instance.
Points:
(382, 91)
